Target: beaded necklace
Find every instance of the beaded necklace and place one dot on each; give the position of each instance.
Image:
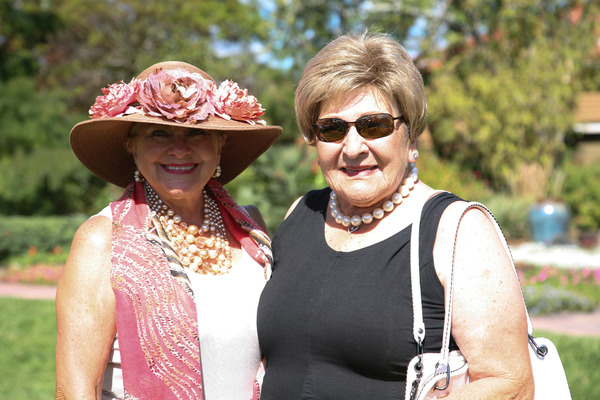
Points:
(196, 251)
(355, 222)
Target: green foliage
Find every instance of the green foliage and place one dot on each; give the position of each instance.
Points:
(545, 299)
(554, 286)
(105, 42)
(512, 214)
(21, 263)
(27, 359)
(417, 24)
(24, 32)
(275, 90)
(443, 175)
(57, 184)
(31, 118)
(23, 235)
(304, 27)
(506, 92)
(499, 102)
(277, 179)
(581, 192)
(40, 173)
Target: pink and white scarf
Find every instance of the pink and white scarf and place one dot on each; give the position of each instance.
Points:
(156, 318)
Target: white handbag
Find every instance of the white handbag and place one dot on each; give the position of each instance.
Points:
(435, 375)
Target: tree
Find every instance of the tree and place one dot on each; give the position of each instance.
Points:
(24, 34)
(504, 96)
(40, 173)
(107, 40)
(302, 28)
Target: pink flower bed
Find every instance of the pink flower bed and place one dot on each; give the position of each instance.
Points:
(37, 274)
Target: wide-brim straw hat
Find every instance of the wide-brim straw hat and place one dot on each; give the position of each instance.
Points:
(100, 143)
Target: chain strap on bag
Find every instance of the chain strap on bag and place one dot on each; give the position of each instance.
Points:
(434, 375)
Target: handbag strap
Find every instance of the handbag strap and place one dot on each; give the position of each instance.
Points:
(418, 323)
(415, 277)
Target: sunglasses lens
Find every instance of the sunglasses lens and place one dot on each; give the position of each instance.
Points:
(372, 126)
(375, 126)
(331, 129)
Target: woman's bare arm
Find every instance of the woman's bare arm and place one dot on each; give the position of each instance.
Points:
(85, 313)
(488, 321)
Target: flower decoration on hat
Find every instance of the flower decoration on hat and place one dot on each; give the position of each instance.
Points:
(115, 101)
(233, 102)
(180, 96)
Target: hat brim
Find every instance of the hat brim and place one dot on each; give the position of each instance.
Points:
(100, 144)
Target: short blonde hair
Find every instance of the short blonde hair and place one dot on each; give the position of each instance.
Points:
(355, 61)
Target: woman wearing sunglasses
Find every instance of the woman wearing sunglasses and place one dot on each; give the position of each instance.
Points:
(336, 320)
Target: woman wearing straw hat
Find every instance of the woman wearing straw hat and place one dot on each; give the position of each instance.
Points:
(158, 297)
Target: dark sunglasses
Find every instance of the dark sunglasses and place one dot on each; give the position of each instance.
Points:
(371, 126)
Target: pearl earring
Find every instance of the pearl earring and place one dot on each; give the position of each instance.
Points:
(414, 155)
(138, 177)
(217, 172)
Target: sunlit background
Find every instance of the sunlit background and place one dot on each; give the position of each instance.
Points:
(514, 120)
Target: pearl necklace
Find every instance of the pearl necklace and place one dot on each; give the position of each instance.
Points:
(356, 221)
(196, 251)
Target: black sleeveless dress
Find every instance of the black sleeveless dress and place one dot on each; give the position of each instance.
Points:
(338, 325)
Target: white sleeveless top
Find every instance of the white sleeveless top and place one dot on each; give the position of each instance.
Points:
(226, 307)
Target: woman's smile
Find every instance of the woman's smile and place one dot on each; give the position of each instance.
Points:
(180, 168)
(358, 171)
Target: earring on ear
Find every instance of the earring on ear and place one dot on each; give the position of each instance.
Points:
(217, 172)
(414, 155)
(138, 177)
(414, 172)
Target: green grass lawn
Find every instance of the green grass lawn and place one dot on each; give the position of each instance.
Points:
(580, 357)
(28, 337)
(28, 340)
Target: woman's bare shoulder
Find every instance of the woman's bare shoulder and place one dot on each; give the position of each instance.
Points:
(89, 257)
(292, 207)
(93, 235)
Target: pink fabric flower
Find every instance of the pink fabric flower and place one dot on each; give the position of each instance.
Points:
(177, 95)
(231, 102)
(116, 100)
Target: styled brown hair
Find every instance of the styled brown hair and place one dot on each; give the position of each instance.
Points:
(354, 61)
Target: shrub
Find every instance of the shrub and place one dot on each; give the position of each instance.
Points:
(582, 193)
(546, 299)
(549, 289)
(512, 214)
(36, 235)
(444, 175)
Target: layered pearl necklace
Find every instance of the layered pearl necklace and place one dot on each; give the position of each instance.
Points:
(355, 222)
(196, 251)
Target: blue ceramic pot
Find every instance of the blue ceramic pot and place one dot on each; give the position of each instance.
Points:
(549, 221)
